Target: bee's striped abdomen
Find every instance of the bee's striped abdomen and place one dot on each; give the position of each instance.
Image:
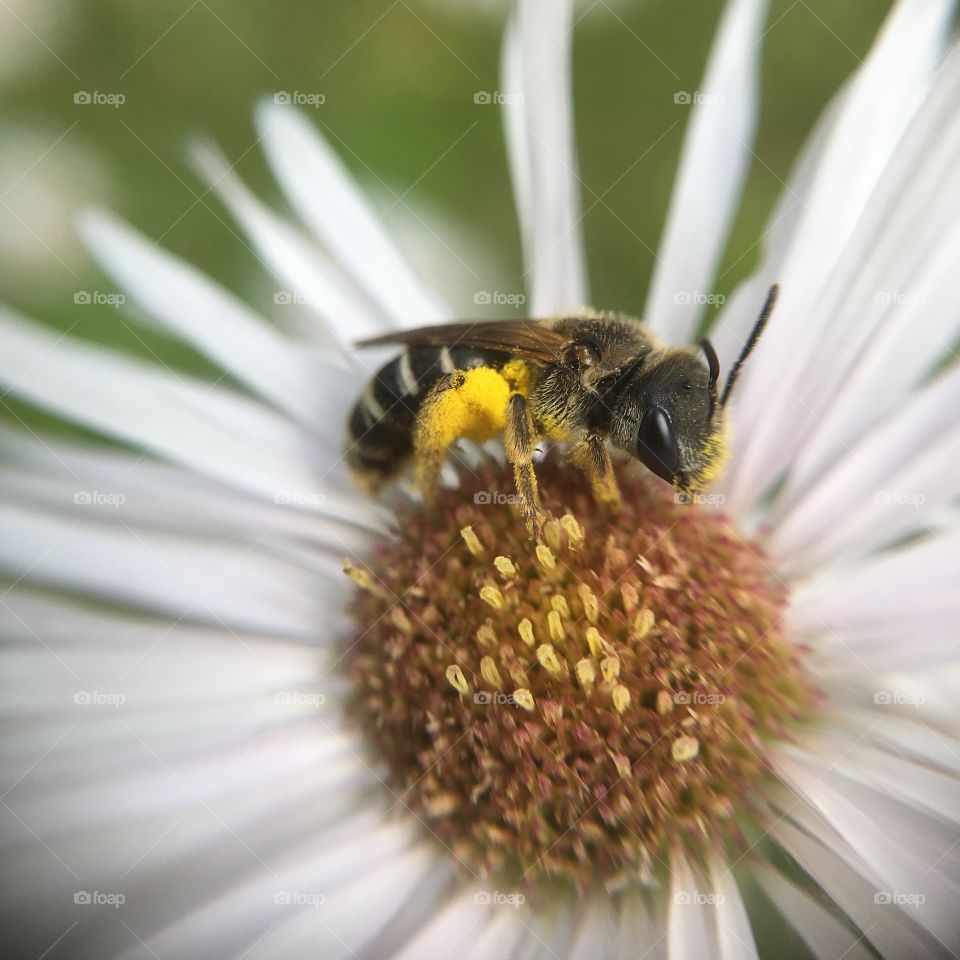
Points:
(380, 427)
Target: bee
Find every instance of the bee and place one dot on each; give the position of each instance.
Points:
(588, 379)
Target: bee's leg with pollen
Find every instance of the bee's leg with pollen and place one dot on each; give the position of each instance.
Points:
(590, 454)
(518, 441)
(433, 433)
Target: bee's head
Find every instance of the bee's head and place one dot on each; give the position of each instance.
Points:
(668, 416)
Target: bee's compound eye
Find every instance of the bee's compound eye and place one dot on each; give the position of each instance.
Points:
(657, 444)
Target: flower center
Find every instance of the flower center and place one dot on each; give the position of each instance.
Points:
(578, 709)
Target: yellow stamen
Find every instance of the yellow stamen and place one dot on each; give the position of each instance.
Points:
(621, 698)
(523, 698)
(364, 579)
(572, 529)
(505, 567)
(490, 594)
(643, 623)
(610, 668)
(545, 555)
(555, 625)
(525, 629)
(548, 658)
(685, 748)
(472, 541)
(591, 608)
(489, 672)
(559, 603)
(457, 680)
(586, 672)
(594, 641)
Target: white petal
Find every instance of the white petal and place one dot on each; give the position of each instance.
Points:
(343, 314)
(872, 119)
(196, 579)
(538, 122)
(195, 309)
(327, 198)
(641, 930)
(823, 933)
(597, 932)
(203, 426)
(713, 168)
(734, 934)
(894, 588)
(886, 486)
(692, 924)
(908, 852)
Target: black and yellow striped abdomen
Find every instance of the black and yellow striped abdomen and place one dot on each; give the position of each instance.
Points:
(380, 427)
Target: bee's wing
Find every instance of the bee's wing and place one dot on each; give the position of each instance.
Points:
(531, 339)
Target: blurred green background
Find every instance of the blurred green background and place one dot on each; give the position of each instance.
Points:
(398, 80)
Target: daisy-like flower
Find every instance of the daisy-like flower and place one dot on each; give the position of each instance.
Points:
(681, 731)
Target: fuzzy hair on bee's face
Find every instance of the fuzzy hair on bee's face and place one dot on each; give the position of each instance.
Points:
(667, 418)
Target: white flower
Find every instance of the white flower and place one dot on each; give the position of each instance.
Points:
(180, 778)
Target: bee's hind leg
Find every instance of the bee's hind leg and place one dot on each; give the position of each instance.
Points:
(434, 431)
(590, 454)
(518, 441)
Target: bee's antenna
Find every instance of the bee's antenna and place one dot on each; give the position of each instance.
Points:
(713, 365)
(751, 342)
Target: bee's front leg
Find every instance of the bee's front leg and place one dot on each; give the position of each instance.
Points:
(518, 440)
(590, 454)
